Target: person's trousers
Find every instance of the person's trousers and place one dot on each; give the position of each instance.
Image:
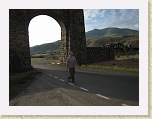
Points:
(72, 72)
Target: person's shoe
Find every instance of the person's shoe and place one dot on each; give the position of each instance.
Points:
(74, 83)
(69, 79)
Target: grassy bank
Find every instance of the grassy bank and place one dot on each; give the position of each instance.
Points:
(107, 68)
(122, 63)
(111, 68)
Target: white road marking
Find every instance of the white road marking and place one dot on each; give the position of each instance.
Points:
(102, 96)
(62, 80)
(125, 105)
(71, 84)
(49, 74)
(55, 77)
(84, 89)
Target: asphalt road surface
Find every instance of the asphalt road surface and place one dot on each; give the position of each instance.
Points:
(93, 88)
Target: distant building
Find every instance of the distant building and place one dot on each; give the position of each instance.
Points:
(135, 48)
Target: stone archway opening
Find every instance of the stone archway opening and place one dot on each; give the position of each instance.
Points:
(44, 29)
(52, 31)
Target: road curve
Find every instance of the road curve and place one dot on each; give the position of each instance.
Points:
(93, 88)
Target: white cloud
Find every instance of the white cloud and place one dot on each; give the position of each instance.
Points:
(121, 18)
(102, 14)
(136, 26)
(94, 21)
(113, 16)
(113, 12)
(91, 13)
(123, 14)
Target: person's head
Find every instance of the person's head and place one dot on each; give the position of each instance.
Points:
(71, 53)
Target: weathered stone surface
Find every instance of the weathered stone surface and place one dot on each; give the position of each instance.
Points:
(99, 54)
(73, 37)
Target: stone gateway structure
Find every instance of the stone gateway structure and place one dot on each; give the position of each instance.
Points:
(73, 37)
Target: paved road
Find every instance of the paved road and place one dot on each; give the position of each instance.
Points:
(94, 87)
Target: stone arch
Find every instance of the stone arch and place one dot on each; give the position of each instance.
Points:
(72, 33)
(63, 31)
(72, 37)
(59, 18)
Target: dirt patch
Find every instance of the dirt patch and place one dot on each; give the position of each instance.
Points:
(20, 81)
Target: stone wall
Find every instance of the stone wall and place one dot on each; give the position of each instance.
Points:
(95, 54)
(19, 52)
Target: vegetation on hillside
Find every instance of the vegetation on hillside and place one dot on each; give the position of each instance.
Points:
(46, 48)
(98, 41)
(94, 38)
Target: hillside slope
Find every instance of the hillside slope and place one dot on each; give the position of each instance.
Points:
(44, 48)
(95, 38)
(112, 32)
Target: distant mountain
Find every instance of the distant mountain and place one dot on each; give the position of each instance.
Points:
(95, 38)
(110, 32)
(44, 48)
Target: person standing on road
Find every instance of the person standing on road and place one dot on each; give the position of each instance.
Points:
(71, 63)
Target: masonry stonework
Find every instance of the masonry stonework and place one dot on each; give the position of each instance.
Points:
(99, 54)
(73, 37)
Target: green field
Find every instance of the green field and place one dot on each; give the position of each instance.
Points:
(37, 59)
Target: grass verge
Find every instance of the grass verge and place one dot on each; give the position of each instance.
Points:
(107, 68)
(36, 59)
(19, 82)
(111, 68)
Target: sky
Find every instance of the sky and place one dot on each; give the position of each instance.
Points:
(44, 29)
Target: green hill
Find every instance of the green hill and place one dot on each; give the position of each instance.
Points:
(99, 37)
(44, 48)
(98, 41)
(95, 38)
(112, 32)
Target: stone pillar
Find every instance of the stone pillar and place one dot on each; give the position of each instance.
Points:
(77, 39)
(19, 52)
